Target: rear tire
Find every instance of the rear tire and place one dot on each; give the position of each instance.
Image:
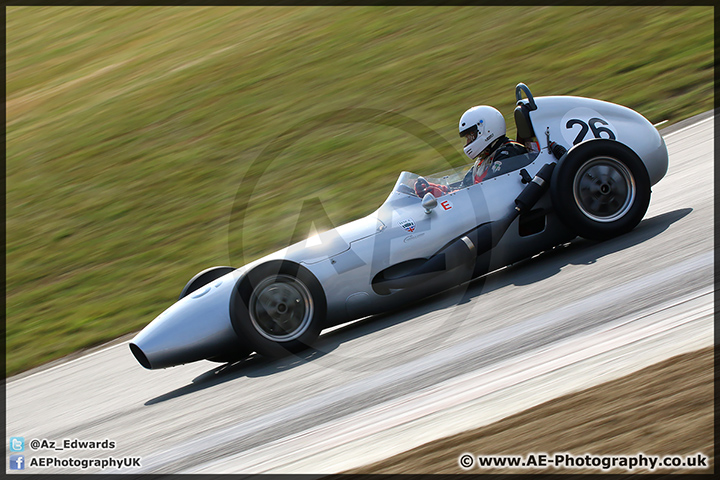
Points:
(279, 308)
(601, 189)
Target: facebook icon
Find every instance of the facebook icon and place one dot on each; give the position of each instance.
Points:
(17, 462)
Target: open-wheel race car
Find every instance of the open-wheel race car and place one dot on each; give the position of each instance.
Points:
(588, 172)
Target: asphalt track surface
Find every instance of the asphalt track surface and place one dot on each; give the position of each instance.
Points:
(565, 320)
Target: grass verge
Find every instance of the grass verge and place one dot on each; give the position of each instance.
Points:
(131, 131)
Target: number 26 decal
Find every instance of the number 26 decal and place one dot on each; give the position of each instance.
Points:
(592, 124)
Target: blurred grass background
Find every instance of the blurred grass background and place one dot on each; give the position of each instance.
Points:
(131, 131)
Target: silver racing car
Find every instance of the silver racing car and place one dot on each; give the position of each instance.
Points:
(588, 173)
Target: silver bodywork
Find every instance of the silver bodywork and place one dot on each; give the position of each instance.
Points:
(347, 259)
(630, 128)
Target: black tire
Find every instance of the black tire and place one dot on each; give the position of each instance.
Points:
(601, 189)
(203, 278)
(279, 308)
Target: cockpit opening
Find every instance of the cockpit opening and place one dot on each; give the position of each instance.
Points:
(448, 181)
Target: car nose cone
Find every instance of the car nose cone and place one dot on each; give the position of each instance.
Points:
(196, 327)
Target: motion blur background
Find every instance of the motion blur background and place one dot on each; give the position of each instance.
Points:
(131, 131)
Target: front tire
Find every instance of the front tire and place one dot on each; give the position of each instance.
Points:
(279, 307)
(601, 189)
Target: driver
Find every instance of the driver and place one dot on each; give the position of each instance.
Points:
(485, 142)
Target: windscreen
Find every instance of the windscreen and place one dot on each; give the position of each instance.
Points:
(452, 178)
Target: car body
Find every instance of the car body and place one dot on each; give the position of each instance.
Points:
(596, 184)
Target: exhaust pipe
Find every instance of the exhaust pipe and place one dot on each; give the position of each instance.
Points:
(535, 189)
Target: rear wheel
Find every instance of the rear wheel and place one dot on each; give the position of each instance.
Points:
(601, 189)
(279, 307)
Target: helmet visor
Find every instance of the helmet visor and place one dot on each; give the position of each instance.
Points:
(470, 134)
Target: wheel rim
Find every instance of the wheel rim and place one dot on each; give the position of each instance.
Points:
(604, 189)
(281, 308)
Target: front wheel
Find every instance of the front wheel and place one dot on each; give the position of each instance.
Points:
(601, 189)
(279, 307)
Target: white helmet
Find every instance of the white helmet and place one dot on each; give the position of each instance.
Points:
(481, 125)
